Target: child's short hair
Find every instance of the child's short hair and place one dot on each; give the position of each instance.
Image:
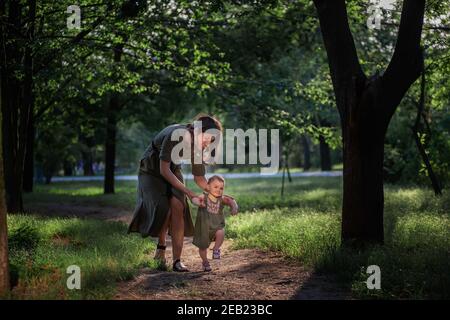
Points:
(216, 177)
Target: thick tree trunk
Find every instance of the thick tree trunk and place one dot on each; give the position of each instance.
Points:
(363, 198)
(17, 104)
(366, 106)
(28, 175)
(306, 154)
(325, 155)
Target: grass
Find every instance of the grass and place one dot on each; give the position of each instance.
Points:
(102, 250)
(304, 225)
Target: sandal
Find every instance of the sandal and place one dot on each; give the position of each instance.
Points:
(206, 266)
(160, 253)
(179, 267)
(216, 254)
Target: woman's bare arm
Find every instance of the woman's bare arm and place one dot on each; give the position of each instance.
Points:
(201, 182)
(164, 167)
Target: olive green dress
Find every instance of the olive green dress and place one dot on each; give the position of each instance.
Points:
(154, 191)
(209, 219)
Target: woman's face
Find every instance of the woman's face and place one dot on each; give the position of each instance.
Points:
(205, 139)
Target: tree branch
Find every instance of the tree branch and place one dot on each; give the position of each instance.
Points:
(342, 56)
(407, 62)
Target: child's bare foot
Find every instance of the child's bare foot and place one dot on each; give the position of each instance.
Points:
(216, 254)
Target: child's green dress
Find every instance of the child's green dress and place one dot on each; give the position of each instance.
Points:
(209, 219)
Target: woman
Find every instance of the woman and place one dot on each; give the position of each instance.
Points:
(161, 191)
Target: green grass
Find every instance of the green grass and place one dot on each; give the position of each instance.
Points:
(414, 262)
(304, 225)
(103, 251)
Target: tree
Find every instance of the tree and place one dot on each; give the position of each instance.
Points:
(366, 106)
(4, 270)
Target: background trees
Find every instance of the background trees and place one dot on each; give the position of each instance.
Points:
(88, 101)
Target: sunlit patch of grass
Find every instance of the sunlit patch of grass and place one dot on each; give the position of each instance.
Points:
(103, 251)
(414, 261)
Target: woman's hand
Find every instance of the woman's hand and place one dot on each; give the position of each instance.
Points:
(197, 200)
(191, 194)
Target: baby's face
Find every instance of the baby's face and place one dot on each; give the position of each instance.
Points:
(216, 188)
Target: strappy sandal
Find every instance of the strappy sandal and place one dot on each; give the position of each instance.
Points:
(216, 254)
(160, 257)
(179, 267)
(160, 253)
(206, 266)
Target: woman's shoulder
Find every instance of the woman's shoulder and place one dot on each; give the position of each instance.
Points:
(167, 131)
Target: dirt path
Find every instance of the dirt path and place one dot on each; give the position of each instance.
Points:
(240, 274)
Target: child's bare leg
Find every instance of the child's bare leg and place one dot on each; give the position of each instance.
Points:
(220, 236)
(203, 254)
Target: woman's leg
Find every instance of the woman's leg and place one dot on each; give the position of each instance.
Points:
(177, 219)
(160, 254)
(203, 254)
(220, 236)
(163, 233)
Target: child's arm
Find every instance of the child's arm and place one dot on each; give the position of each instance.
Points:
(229, 201)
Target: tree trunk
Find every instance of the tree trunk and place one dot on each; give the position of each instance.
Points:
(17, 95)
(325, 155)
(306, 154)
(110, 146)
(363, 199)
(88, 169)
(4, 264)
(416, 133)
(68, 168)
(366, 106)
(28, 175)
(111, 131)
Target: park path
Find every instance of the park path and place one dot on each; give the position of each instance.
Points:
(242, 175)
(244, 274)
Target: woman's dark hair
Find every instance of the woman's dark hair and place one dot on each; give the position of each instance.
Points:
(208, 122)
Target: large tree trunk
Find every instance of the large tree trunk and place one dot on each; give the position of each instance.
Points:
(111, 131)
(4, 269)
(365, 108)
(17, 95)
(363, 199)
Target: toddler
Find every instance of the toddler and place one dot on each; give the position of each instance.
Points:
(210, 222)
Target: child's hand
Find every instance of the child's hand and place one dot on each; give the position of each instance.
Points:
(196, 201)
(234, 208)
(199, 201)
